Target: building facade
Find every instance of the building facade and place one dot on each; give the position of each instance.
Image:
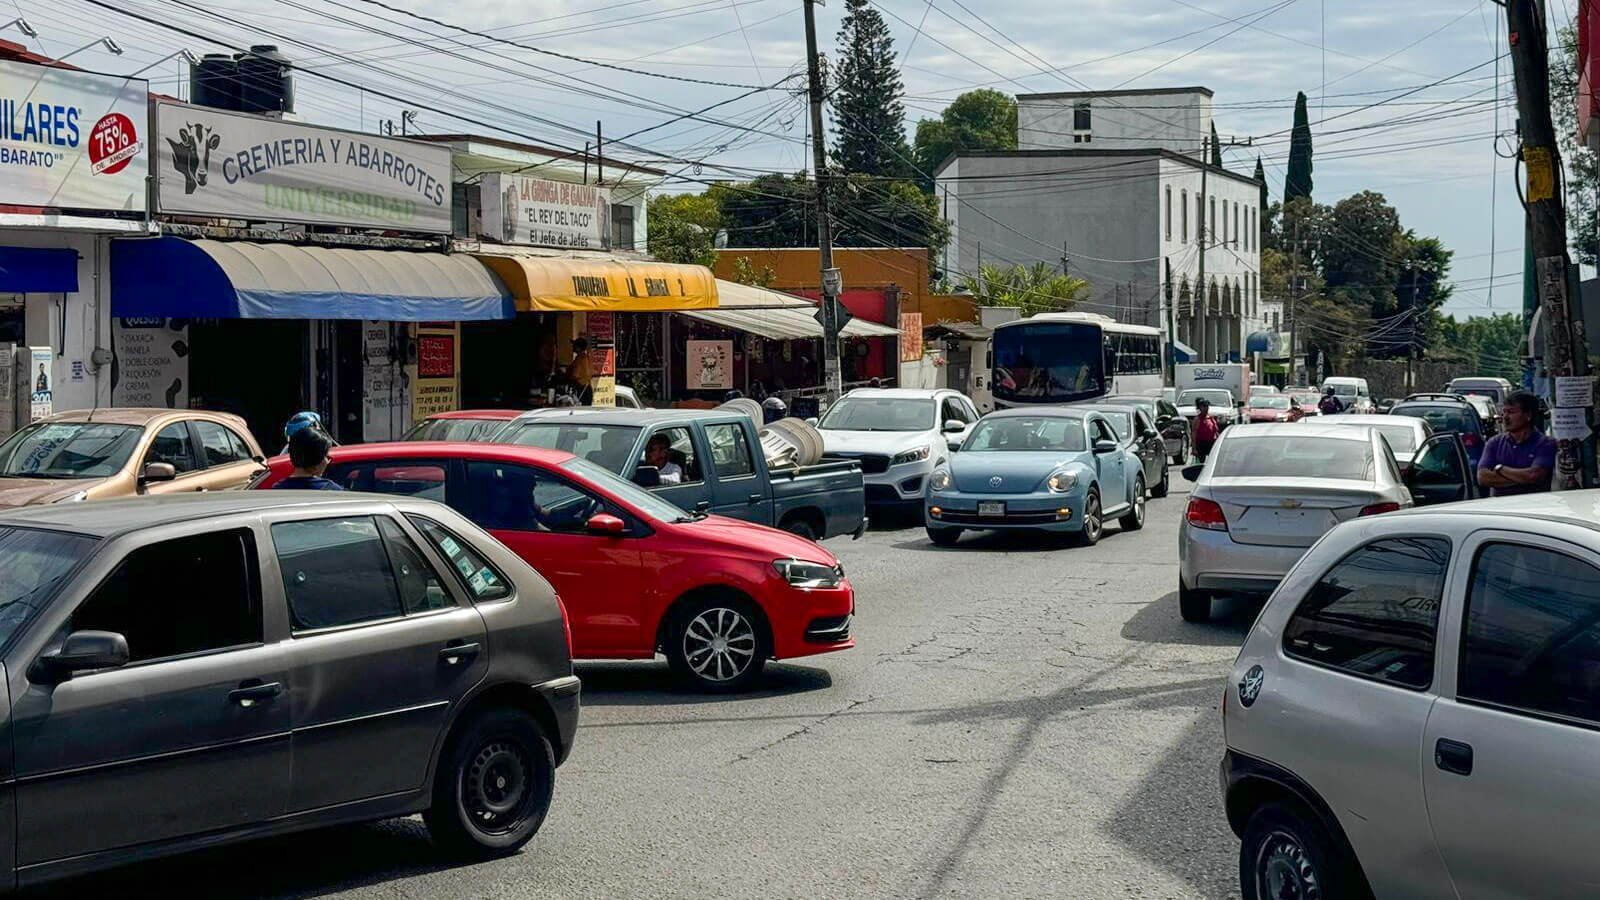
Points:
(1175, 119)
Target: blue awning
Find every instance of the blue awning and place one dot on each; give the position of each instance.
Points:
(1182, 352)
(38, 270)
(205, 279)
(1258, 342)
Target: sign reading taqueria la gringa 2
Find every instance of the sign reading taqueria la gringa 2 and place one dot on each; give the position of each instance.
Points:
(239, 166)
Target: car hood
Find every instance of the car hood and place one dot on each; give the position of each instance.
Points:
(739, 535)
(16, 492)
(1018, 472)
(890, 442)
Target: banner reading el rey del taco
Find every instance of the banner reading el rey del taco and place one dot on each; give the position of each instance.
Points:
(235, 165)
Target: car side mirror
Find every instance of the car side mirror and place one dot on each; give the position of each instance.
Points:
(953, 445)
(605, 523)
(1192, 473)
(1105, 445)
(954, 426)
(156, 472)
(812, 421)
(647, 476)
(82, 651)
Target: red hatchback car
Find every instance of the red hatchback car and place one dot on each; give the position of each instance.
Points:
(636, 574)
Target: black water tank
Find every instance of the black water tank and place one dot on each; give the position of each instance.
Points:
(264, 84)
(214, 82)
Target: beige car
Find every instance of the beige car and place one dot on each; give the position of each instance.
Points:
(93, 455)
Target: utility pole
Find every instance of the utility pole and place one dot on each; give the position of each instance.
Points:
(1294, 288)
(833, 379)
(1547, 219)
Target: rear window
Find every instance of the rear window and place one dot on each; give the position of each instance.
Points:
(1461, 420)
(1294, 457)
(1401, 439)
(409, 478)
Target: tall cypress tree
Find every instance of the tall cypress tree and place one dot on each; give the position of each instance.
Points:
(1298, 182)
(868, 112)
(1216, 146)
(1261, 176)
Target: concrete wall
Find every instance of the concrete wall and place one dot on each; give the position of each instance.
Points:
(798, 270)
(1175, 120)
(86, 316)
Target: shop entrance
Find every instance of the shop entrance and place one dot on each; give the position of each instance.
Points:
(255, 368)
(13, 328)
(514, 363)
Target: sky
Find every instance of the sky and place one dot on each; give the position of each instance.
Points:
(1406, 98)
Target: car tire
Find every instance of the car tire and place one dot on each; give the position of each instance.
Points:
(799, 527)
(697, 659)
(1286, 853)
(944, 537)
(1163, 488)
(1093, 524)
(493, 786)
(1133, 519)
(1193, 604)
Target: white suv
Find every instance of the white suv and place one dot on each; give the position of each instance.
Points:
(899, 435)
(1416, 712)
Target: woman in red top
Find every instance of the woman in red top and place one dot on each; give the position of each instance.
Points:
(1206, 429)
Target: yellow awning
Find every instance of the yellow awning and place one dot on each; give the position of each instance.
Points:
(566, 284)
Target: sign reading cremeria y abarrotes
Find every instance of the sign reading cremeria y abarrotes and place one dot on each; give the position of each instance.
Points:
(235, 165)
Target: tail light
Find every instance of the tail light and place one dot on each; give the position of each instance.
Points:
(1378, 509)
(1206, 514)
(1471, 440)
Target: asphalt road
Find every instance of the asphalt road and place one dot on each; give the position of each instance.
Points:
(1019, 719)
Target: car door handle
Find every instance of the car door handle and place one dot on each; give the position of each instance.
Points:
(755, 498)
(458, 653)
(251, 692)
(1453, 756)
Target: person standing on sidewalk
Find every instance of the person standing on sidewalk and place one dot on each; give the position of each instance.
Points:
(1520, 458)
(1206, 429)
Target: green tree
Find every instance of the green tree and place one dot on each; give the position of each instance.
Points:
(1490, 344)
(869, 212)
(1038, 288)
(1422, 283)
(1261, 176)
(1360, 250)
(770, 211)
(745, 272)
(870, 116)
(1298, 181)
(683, 228)
(983, 119)
(1582, 170)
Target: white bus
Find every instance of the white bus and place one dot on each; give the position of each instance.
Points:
(1067, 357)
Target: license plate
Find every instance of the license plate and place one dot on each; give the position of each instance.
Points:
(992, 508)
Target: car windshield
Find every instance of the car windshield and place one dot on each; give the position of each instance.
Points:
(36, 564)
(1272, 456)
(1343, 390)
(68, 450)
(1121, 422)
(1441, 418)
(454, 429)
(1210, 395)
(649, 504)
(1271, 401)
(1027, 433)
(608, 446)
(1305, 399)
(1148, 406)
(879, 414)
(1048, 362)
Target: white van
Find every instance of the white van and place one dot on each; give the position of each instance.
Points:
(1352, 392)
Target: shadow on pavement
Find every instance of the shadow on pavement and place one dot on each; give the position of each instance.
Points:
(1160, 623)
(894, 518)
(652, 684)
(1008, 541)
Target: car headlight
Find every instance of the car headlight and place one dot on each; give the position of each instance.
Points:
(1061, 482)
(910, 456)
(79, 497)
(809, 576)
(940, 480)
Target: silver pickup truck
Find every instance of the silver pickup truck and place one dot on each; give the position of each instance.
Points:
(712, 462)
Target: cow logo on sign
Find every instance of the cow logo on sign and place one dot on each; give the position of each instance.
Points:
(191, 155)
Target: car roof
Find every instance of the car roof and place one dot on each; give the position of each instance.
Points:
(905, 393)
(639, 418)
(450, 450)
(1065, 412)
(1567, 507)
(479, 414)
(104, 518)
(1348, 419)
(137, 415)
(1119, 399)
(1302, 428)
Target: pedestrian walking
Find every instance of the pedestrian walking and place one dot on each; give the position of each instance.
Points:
(308, 451)
(1330, 404)
(1520, 458)
(1206, 429)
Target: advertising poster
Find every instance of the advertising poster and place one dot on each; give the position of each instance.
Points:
(517, 209)
(39, 378)
(910, 337)
(383, 401)
(603, 390)
(436, 386)
(151, 363)
(211, 162)
(72, 139)
(709, 365)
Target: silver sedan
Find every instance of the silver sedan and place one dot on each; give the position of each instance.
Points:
(1405, 434)
(1266, 494)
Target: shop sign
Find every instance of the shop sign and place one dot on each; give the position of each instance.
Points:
(213, 162)
(602, 360)
(910, 337)
(72, 139)
(517, 209)
(151, 365)
(709, 366)
(603, 391)
(383, 401)
(435, 389)
(38, 372)
(601, 326)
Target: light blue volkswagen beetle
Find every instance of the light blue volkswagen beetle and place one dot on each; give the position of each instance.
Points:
(1050, 469)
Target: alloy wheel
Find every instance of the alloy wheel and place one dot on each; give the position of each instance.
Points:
(1138, 502)
(1091, 518)
(497, 787)
(719, 644)
(1284, 871)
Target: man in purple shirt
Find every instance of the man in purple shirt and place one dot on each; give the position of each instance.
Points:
(1520, 459)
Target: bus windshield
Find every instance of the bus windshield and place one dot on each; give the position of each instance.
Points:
(1048, 362)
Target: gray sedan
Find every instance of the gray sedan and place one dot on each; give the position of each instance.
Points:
(1405, 434)
(1268, 492)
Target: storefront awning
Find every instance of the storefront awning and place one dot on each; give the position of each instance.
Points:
(38, 270)
(205, 279)
(599, 284)
(791, 324)
(1182, 352)
(733, 295)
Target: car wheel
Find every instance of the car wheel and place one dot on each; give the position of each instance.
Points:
(800, 528)
(944, 537)
(718, 645)
(1133, 520)
(1164, 487)
(1193, 604)
(1093, 525)
(493, 786)
(1285, 853)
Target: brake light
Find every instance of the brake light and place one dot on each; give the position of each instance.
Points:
(1378, 509)
(1206, 514)
(1471, 440)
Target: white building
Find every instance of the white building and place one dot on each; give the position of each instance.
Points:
(1126, 216)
